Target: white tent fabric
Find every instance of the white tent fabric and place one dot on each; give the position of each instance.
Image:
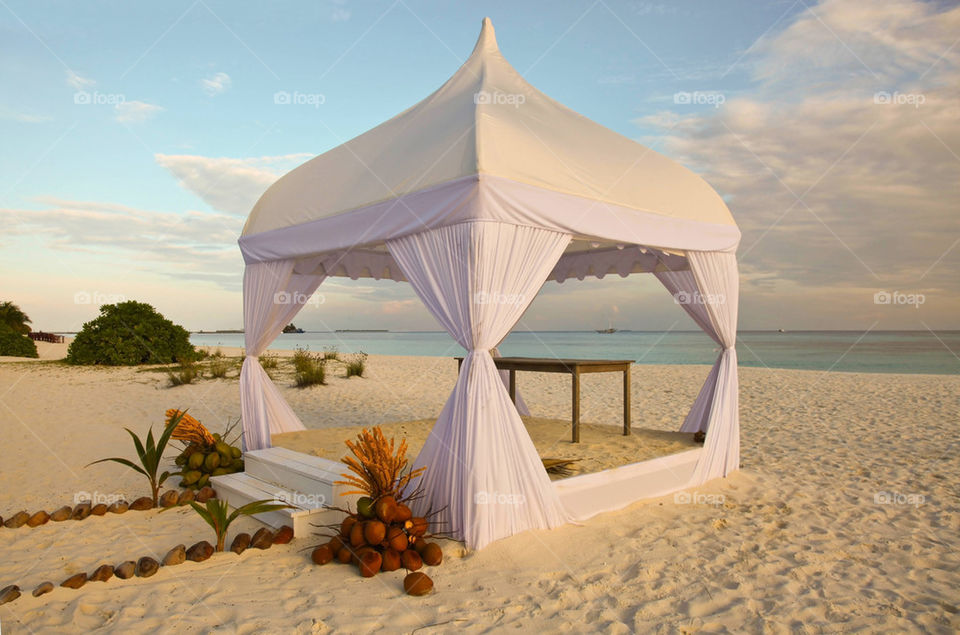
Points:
(490, 182)
(709, 293)
(272, 295)
(477, 279)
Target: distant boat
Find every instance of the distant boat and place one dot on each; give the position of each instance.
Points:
(608, 330)
(780, 331)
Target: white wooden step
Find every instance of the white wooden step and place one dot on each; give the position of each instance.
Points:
(308, 510)
(311, 475)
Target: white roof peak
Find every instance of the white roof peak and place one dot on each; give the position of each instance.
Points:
(487, 42)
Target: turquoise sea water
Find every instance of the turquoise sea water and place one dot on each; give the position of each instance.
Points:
(875, 352)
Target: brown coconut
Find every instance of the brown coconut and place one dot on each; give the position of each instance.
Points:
(387, 509)
(344, 555)
(356, 535)
(403, 514)
(397, 539)
(370, 563)
(417, 584)
(322, 554)
(411, 560)
(432, 554)
(39, 518)
(417, 526)
(391, 560)
(374, 532)
(335, 544)
(346, 526)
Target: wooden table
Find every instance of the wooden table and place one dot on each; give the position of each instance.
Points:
(573, 367)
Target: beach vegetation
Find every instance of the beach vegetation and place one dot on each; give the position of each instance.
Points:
(13, 317)
(331, 353)
(130, 333)
(218, 367)
(185, 374)
(269, 361)
(356, 365)
(149, 455)
(310, 369)
(16, 344)
(217, 514)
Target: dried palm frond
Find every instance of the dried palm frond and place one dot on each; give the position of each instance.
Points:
(189, 429)
(560, 467)
(378, 469)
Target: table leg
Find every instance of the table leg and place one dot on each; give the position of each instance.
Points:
(513, 387)
(626, 402)
(576, 405)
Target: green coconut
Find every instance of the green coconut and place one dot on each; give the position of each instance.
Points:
(203, 480)
(235, 451)
(365, 507)
(212, 462)
(192, 476)
(196, 460)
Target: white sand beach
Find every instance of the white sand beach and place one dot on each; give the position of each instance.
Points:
(803, 539)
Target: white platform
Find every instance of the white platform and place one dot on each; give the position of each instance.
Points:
(306, 482)
(587, 495)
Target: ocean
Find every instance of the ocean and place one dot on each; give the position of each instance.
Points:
(849, 351)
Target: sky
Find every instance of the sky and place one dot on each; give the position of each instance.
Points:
(135, 138)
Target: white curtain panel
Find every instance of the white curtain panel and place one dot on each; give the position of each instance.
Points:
(682, 286)
(484, 475)
(272, 295)
(709, 292)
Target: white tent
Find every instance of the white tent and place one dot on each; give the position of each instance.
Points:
(476, 196)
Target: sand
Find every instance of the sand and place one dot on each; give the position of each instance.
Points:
(601, 447)
(844, 517)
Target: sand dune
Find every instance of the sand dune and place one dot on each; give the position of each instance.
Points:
(802, 540)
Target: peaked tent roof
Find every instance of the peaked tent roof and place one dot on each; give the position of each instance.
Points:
(487, 120)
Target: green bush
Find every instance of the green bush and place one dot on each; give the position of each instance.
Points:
(218, 367)
(183, 375)
(356, 365)
(14, 344)
(12, 316)
(311, 370)
(130, 333)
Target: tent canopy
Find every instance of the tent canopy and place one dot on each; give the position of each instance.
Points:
(486, 145)
(486, 189)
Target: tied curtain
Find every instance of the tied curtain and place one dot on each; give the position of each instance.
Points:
(709, 293)
(483, 474)
(272, 294)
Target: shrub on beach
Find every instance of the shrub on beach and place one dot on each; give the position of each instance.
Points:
(14, 344)
(130, 333)
(183, 375)
(356, 365)
(309, 369)
(12, 316)
(218, 367)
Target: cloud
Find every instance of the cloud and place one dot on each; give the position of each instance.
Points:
(227, 184)
(135, 111)
(78, 82)
(841, 166)
(12, 115)
(192, 245)
(216, 85)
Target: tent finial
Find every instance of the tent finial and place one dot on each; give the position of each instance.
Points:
(487, 42)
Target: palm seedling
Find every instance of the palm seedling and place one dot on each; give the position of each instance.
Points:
(217, 514)
(149, 453)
